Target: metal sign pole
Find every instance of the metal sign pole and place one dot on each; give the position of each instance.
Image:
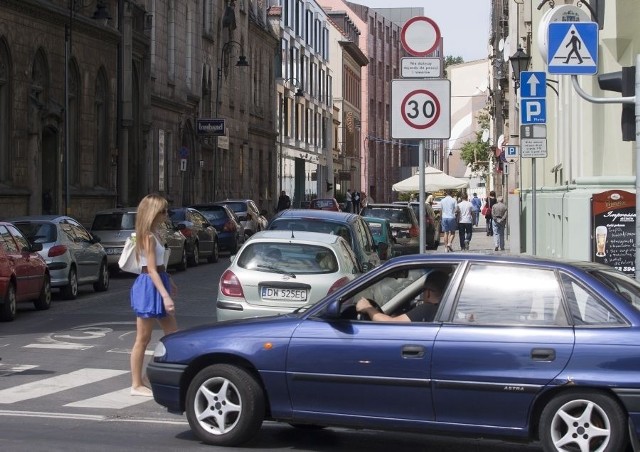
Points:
(637, 109)
(533, 206)
(421, 196)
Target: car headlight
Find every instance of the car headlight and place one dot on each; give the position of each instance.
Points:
(160, 350)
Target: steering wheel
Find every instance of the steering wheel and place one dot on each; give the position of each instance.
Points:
(374, 305)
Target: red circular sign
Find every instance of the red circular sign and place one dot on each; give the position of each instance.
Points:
(420, 36)
(420, 109)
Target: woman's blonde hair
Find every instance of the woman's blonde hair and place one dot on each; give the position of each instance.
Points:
(148, 209)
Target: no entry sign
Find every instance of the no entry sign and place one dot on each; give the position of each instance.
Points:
(420, 109)
(420, 36)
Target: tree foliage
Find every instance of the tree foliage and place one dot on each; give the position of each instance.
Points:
(477, 153)
(450, 59)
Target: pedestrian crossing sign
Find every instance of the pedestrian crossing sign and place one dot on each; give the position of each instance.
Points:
(573, 48)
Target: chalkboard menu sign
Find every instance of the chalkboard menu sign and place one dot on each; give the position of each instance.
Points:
(614, 230)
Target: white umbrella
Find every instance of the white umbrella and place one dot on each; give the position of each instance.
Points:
(434, 180)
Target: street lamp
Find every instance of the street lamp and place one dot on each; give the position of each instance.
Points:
(519, 62)
(101, 14)
(242, 62)
(297, 94)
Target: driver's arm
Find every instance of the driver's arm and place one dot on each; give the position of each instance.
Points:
(364, 307)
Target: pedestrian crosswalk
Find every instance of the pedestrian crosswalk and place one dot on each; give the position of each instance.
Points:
(66, 385)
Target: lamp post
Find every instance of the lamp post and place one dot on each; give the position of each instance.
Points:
(101, 14)
(242, 62)
(298, 93)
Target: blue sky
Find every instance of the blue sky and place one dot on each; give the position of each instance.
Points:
(464, 24)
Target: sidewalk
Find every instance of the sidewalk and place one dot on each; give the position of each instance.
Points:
(480, 242)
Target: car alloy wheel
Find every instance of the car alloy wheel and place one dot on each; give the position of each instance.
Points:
(182, 266)
(44, 300)
(195, 256)
(583, 421)
(215, 252)
(103, 278)
(70, 291)
(225, 405)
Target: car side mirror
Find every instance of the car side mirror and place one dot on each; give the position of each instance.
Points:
(333, 310)
(32, 248)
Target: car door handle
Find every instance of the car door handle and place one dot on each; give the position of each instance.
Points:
(543, 354)
(413, 351)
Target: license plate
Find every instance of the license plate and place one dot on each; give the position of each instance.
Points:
(113, 250)
(274, 293)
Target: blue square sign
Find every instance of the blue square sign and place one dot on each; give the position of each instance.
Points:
(533, 111)
(533, 84)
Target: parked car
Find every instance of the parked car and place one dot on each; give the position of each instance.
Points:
(325, 204)
(404, 224)
(382, 236)
(348, 225)
(113, 226)
(24, 275)
(202, 238)
(276, 272)
(227, 224)
(432, 223)
(252, 219)
(74, 256)
(548, 354)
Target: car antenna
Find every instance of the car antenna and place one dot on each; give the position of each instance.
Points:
(292, 236)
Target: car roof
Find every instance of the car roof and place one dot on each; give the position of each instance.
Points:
(281, 234)
(118, 210)
(375, 219)
(321, 214)
(41, 218)
(390, 204)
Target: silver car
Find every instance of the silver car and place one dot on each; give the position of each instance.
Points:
(251, 218)
(276, 272)
(73, 255)
(113, 226)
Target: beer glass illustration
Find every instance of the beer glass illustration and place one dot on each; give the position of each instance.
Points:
(601, 241)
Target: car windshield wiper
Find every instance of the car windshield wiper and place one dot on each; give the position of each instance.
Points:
(277, 270)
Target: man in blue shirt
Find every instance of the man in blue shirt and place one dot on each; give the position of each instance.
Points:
(477, 205)
(449, 223)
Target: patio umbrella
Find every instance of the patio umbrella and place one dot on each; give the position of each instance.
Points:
(434, 180)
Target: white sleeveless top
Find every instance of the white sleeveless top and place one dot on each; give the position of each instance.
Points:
(159, 254)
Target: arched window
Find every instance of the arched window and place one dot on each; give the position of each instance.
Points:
(101, 144)
(5, 112)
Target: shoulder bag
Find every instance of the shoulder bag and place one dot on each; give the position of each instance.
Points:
(128, 261)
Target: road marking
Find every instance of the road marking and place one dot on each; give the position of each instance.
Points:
(114, 400)
(88, 417)
(6, 370)
(56, 384)
(61, 346)
(127, 351)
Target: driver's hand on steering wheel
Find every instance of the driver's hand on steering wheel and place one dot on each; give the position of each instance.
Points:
(362, 305)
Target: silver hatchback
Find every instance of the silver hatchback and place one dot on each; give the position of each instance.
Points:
(73, 255)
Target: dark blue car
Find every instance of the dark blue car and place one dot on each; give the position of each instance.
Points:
(518, 348)
(230, 231)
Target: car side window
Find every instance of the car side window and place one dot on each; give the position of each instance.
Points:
(364, 235)
(6, 241)
(19, 238)
(80, 232)
(586, 309)
(198, 219)
(500, 295)
(349, 256)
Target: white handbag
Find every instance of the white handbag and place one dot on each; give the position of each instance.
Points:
(128, 261)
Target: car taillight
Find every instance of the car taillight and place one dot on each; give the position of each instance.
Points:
(230, 286)
(413, 232)
(229, 226)
(57, 250)
(338, 284)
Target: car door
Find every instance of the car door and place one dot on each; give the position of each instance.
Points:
(27, 265)
(88, 252)
(204, 230)
(503, 340)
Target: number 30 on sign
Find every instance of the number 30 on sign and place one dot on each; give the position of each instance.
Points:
(420, 109)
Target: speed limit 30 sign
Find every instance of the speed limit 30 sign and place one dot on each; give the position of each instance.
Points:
(420, 109)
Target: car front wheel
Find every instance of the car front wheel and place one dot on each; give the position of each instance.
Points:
(583, 421)
(225, 405)
(70, 291)
(102, 284)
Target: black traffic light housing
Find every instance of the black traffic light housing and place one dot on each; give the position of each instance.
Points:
(623, 82)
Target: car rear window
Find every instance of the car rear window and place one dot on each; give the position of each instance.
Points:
(376, 229)
(38, 232)
(394, 215)
(322, 203)
(288, 257)
(313, 225)
(114, 221)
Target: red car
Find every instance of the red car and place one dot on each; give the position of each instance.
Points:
(23, 273)
(325, 204)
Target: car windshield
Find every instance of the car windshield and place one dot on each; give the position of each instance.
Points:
(38, 232)
(212, 215)
(391, 214)
(376, 229)
(114, 221)
(288, 257)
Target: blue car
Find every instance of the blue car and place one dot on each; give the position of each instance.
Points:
(230, 231)
(518, 348)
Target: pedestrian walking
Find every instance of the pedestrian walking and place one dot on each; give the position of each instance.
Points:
(465, 223)
(153, 289)
(355, 199)
(349, 202)
(449, 206)
(284, 202)
(486, 211)
(499, 213)
(477, 205)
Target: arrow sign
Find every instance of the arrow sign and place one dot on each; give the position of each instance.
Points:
(533, 84)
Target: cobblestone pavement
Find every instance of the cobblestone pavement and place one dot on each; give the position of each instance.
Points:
(480, 242)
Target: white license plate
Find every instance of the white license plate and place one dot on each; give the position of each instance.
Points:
(113, 250)
(274, 293)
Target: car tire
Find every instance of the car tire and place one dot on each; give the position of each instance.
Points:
(43, 302)
(195, 256)
(239, 401)
(102, 284)
(70, 291)
(182, 266)
(586, 420)
(215, 253)
(9, 307)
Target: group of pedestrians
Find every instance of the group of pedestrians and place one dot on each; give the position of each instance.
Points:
(462, 215)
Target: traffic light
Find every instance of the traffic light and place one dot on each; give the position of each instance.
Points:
(623, 82)
(329, 186)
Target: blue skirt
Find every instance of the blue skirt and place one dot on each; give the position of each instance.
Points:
(146, 301)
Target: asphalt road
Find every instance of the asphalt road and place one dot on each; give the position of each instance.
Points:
(64, 383)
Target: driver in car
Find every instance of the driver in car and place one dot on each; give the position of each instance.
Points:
(425, 311)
